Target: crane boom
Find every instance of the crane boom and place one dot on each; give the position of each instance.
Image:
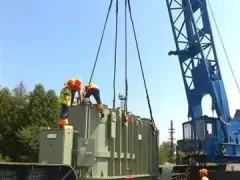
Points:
(201, 74)
(198, 57)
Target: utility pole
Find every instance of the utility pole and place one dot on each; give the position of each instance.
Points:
(171, 131)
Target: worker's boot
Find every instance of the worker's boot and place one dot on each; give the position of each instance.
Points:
(62, 123)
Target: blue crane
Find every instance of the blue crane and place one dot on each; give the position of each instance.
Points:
(205, 139)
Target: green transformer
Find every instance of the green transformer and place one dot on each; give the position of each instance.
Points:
(102, 148)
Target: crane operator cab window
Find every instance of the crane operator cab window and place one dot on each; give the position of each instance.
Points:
(194, 130)
(188, 131)
(205, 127)
(199, 129)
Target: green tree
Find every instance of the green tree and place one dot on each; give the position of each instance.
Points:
(20, 90)
(22, 114)
(5, 108)
(13, 116)
(43, 110)
(4, 158)
(165, 152)
(162, 156)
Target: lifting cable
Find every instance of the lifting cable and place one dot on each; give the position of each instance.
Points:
(100, 44)
(126, 61)
(140, 61)
(115, 57)
(225, 51)
(115, 51)
(127, 3)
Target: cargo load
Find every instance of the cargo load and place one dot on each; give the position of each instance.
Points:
(102, 147)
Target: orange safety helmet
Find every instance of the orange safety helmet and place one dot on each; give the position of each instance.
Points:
(74, 84)
(203, 172)
(78, 83)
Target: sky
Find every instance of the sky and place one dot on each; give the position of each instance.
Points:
(50, 41)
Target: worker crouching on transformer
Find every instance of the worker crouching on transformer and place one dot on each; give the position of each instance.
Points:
(203, 174)
(75, 86)
(92, 89)
(66, 98)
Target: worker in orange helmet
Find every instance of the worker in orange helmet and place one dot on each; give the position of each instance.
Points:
(203, 174)
(75, 86)
(65, 101)
(66, 98)
(93, 90)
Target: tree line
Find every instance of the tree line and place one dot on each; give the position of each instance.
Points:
(22, 112)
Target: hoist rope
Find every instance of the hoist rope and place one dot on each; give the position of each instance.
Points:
(115, 57)
(126, 60)
(225, 51)
(100, 43)
(140, 61)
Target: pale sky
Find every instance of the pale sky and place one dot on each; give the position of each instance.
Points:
(50, 41)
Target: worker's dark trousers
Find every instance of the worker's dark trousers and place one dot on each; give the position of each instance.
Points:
(96, 94)
(73, 95)
(64, 111)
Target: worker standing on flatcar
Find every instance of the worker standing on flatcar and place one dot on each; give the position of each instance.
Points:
(203, 174)
(66, 98)
(65, 101)
(93, 90)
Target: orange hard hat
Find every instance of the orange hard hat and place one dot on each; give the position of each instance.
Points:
(203, 172)
(78, 83)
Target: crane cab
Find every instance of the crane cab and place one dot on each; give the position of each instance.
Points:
(200, 128)
(203, 141)
(199, 137)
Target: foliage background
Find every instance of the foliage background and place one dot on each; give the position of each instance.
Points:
(165, 153)
(22, 112)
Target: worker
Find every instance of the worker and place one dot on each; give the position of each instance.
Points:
(203, 174)
(66, 98)
(93, 90)
(65, 101)
(75, 86)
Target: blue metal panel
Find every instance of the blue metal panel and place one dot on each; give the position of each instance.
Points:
(210, 146)
(237, 150)
(222, 159)
(198, 59)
